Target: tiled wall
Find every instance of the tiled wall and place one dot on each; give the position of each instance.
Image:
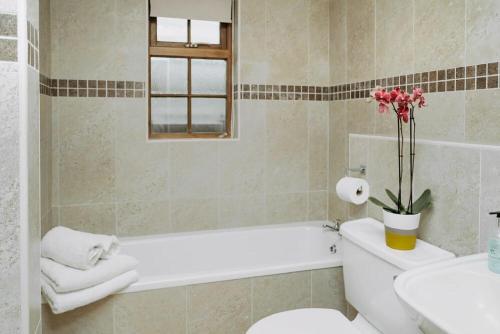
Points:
(454, 58)
(10, 305)
(108, 178)
(228, 307)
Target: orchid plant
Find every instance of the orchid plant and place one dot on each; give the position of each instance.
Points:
(403, 105)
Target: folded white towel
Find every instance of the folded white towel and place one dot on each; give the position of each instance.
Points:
(76, 249)
(63, 302)
(65, 279)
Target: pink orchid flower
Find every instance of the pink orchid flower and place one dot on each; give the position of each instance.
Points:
(383, 98)
(418, 95)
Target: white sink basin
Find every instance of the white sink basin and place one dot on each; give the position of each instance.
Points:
(459, 296)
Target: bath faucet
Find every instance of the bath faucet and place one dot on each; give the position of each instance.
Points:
(335, 227)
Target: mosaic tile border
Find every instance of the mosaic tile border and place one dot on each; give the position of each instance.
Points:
(91, 88)
(472, 77)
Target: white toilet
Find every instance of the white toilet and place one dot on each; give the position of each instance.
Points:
(369, 270)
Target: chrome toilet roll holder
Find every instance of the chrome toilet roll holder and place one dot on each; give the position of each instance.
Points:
(361, 170)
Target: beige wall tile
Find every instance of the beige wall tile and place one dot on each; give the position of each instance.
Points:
(318, 205)
(453, 175)
(44, 36)
(222, 307)
(86, 159)
(191, 214)
(338, 157)
(193, 171)
(395, 46)
(318, 145)
(286, 36)
(481, 117)
(245, 210)
(255, 65)
(277, 293)
(482, 24)
(444, 21)
(386, 124)
(338, 41)
(286, 208)
(96, 318)
(76, 25)
(443, 118)
(319, 31)
(360, 117)
(131, 49)
(141, 166)
(151, 312)
(55, 147)
(490, 196)
(130, 10)
(142, 218)
(242, 163)
(383, 173)
(48, 222)
(287, 156)
(98, 218)
(360, 40)
(328, 289)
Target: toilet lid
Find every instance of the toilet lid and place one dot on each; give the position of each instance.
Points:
(304, 321)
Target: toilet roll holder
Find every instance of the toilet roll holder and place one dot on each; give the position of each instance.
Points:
(361, 170)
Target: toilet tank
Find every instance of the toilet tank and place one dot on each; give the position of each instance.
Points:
(369, 271)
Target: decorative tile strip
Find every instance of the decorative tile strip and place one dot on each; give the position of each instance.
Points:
(91, 88)
(473, 77)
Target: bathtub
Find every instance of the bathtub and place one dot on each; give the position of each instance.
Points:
(180, 259)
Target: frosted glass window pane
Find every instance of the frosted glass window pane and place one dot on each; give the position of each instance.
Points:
(169, 115)
(208, 115)
(208, 76)
(169, 75)
(171, 30)
(205, 32)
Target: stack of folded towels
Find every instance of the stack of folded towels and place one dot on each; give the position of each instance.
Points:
(79, 268)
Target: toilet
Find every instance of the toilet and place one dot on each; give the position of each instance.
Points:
(370, 268)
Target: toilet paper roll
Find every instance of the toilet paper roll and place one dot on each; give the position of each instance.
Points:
(353, 190)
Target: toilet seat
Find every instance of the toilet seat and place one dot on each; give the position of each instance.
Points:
(304, 321)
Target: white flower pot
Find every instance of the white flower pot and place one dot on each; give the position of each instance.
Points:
(401, 230)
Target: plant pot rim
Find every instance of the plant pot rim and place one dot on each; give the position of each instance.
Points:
(401, 214)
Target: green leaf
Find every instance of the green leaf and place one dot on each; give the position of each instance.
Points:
(381, 204)
(395, 200)
(423, 202)
(391, 210)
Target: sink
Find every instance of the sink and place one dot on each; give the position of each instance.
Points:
(459, 296)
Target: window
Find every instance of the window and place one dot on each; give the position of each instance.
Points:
(190, 71)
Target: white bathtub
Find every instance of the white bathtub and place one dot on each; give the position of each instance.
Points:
(200, 257)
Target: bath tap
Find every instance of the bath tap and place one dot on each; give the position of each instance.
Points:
(335, 227)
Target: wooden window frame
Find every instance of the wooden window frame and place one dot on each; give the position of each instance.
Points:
(222, 51)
